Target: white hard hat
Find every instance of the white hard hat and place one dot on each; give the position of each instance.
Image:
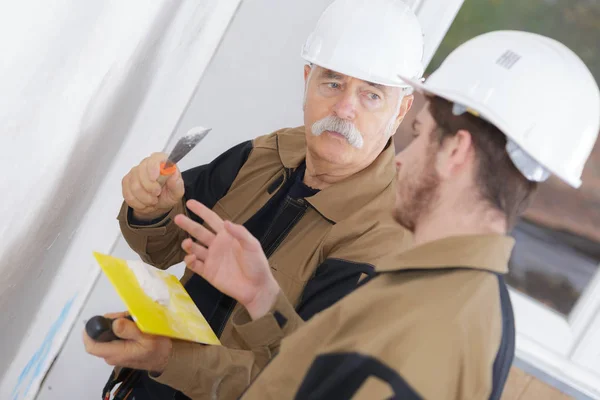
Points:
(535, 90)
(372, 40)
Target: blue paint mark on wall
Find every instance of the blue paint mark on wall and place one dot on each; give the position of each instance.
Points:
(33, 369)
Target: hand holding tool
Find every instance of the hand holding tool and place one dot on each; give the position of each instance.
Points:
(182, 147)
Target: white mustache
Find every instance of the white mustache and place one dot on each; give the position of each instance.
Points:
(341, 126)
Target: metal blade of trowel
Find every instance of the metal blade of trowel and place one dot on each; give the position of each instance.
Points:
(182, 147)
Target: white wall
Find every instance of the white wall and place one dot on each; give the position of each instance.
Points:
(55, 92)
(255, 82)
(87, 89)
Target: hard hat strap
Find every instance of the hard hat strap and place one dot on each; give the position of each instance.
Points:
(530, 168)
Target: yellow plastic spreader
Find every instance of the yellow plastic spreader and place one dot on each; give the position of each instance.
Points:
(180, 319)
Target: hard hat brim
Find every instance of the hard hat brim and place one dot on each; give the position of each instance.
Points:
(415, 84)
(454, 98)
(356, 74)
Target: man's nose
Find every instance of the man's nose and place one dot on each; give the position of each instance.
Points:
(345, 108)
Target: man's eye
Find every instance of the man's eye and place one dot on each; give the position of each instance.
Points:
(334, 85)
(374, 96)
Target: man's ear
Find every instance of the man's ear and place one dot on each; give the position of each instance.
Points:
(456, 153)
(307, 69)
(407, 102)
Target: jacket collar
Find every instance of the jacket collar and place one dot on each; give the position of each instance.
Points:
(483, 252)
(344, 198)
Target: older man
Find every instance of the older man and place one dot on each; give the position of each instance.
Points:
(317, 197)
(436, 321)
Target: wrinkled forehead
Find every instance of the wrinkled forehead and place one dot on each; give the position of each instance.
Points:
(324, 73)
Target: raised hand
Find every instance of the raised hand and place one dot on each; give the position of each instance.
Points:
(230, 259)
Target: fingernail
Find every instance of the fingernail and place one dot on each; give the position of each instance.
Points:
(116, 326)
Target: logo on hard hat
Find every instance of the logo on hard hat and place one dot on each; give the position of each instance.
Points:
(508, 59)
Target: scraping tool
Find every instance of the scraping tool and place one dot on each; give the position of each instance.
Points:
(182, 147)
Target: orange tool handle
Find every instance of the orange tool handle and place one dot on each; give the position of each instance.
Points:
(165, 173)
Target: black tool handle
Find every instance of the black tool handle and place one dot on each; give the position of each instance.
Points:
(99, 328)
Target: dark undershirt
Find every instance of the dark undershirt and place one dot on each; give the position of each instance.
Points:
(277, 217)
(300, 189)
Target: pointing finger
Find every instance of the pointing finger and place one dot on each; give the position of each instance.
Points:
(197, 231)
(208, 215)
